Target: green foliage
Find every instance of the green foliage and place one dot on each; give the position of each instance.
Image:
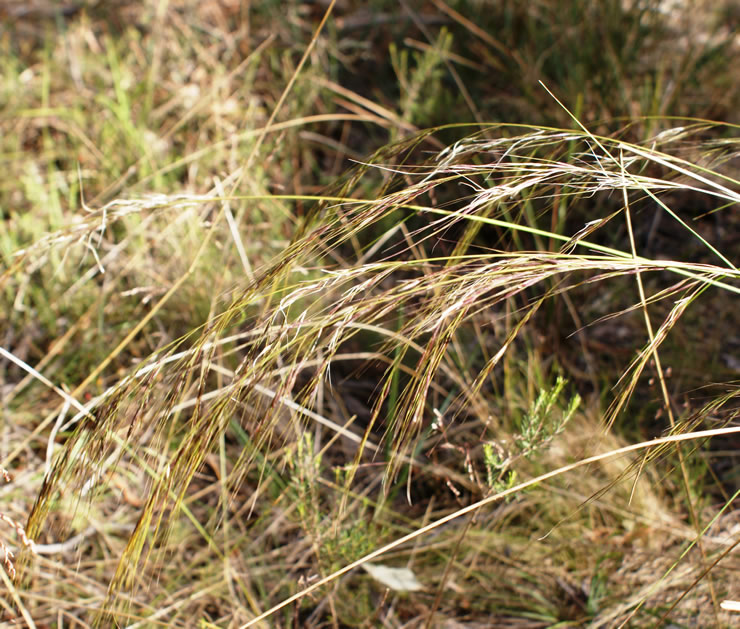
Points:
(535, 430)
(498, 475)
(541, 423)
(420, 78)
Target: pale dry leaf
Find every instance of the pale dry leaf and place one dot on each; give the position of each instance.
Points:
(399, 579)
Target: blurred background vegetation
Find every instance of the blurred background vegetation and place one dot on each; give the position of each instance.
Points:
(176, 214)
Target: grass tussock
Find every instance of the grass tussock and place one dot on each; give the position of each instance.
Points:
(492, 363)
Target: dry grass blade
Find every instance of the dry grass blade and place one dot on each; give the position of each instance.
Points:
(703, 434)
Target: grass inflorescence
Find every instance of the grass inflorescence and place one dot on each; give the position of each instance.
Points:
(267, 323)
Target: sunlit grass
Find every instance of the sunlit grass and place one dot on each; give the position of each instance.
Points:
(229, 385)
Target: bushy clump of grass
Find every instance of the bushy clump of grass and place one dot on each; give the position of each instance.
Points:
(269, 384)
(265, 384)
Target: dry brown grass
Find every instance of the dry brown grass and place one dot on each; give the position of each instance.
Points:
(226, 386)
